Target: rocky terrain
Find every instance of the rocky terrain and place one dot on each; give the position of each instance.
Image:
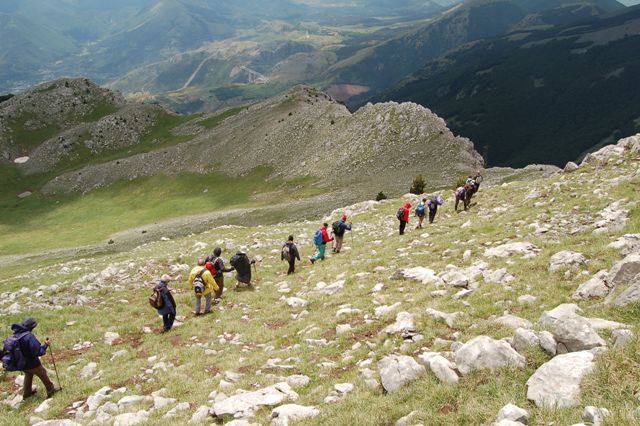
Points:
(521, 311)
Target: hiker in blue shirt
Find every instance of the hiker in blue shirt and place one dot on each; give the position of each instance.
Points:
(420, 212)
(339, 227)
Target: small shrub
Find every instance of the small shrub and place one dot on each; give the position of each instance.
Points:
(417, 187)
(381, 196)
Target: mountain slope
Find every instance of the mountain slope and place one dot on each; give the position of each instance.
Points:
(521, 109)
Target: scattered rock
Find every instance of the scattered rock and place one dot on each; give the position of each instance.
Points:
(284, 414)
(594, 416)
(406, 420)
(296, 302)
(547, 342)
(566, 260)
(201, 414)
(621, 337)
(570, 167)
(513, 413)
(423, 275)
(245, 404)
(88, 370)
(524, 339)
(441, 367)
(525, 249)
(499, 276)
(593, 288)
(513, 321)
(549, 317)
(483, 352)
(576, 333)
(130, 419)
(627, 244)
(556, 383)
(398, 370)
(449, 319)
(404, 324)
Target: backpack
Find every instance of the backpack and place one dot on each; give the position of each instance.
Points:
(420, 210)
(198, 283)
(400, 213)
(156, 300)
(12, 357)
(317, 238)
(286, 252)
(337, 228)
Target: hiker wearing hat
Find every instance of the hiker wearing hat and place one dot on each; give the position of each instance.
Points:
(339, 228)
(168, 308)
(420, 212)
(25, 357)
(202, 283)
(433, 204)
(320, 239)
(218, 264)
(242, 265)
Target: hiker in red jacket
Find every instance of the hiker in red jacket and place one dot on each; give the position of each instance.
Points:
(321, 245)
(403, 217)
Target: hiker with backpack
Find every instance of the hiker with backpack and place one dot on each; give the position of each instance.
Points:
(290, 253)
(339, 227)
(403, 216)
(420, 212)
(433, 204)
(242, 265)
(320, 239)
(22, 352)
(163, 301)
(202, 283)
(218, 264)
(477, 180)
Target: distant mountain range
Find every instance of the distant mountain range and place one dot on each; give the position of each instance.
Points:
(538, 95)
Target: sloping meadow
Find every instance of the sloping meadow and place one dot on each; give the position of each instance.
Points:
(320, 335)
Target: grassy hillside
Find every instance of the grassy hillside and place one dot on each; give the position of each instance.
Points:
(521, 110)
(255, 334)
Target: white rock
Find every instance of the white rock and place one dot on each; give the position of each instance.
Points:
(182, 406)
(284, 414)
(570, 167)
(623, 271)
(343, 388)
(385, 309)
(499, 276)
(110, 337)
(627, 244)
(566, 260)
(130, 419)
(398, 370)
(160, 402)
(547, 342)
(549, 317)
(44, 406)
(404, 324)
(423, 275)
(21, 160)
(443, 369)
(118, 354)
(343, 328)
(513, 413)
(296, 302)
(201, 415)
(483, 352)
(621, 337)
(524, 339)
(556, 383)
(406, 420)
(576, 333)
(455, 279)
(298, 380)
(526, 298)
(129, 400)
(449, 319)
(593, 288)
(88, 370)
(594, 415)
(525, 249)
(245, 404)
(513, 321)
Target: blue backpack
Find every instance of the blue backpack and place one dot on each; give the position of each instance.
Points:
(317, 238)
(12, 357)
(420, 210)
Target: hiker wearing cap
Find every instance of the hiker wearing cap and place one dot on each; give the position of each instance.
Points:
(202, 283)
(26, 357)
(403, 216)
(339, 227)
(168, 308)
(290, 253)
(420, 212)
(242, 265)
(433, 204)
(320, 239)
(218, 264)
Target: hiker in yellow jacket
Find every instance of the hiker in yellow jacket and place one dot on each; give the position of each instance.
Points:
(202, 283)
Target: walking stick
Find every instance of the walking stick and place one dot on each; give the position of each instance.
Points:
(54, 364)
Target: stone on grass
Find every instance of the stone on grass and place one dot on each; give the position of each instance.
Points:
(182, 406)
(296, 302)
(406, 420)
(499, 276)
(576, 333)
(398, 370)
(524, 339)
(160, 402)
(483, 352)
(525, 249)
(566, 260)
(88, 370)
(385, 309)
(549, 317)
(423, 275)
(455, 279)
(593, 288)
(44, 406)
(404, 323)
(245, 404)
(627, 244)
(570, 167)
(443, 369)
(513, 321)
(298, 380)
(621, 337)
(128, 400)
(110, 337)
(514, 413)
(507, 422)
(58, 423)
(526, 298)
(284, 414)
(449, 319)
(556, 383)
(131, 419)
(630, 296)
(624, 270)
(594, 415)
(201, 414)
(548, 342)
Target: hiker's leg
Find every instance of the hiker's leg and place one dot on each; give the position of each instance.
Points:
(432, 215)
(220, 282)
(27, 389)
(403, 224)
(321, 250)
(41, 372)
(339, 240)
(292, 267)
(168, 322)
(198, 300)
(207, 305)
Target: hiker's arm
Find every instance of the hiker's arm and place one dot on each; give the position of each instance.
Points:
(35, 347)
(211, 282)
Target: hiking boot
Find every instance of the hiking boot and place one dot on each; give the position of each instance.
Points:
(34, 390)
(312, 260)
(52, 392)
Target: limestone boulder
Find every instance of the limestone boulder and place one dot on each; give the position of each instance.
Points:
(398, 370)
(483, 352)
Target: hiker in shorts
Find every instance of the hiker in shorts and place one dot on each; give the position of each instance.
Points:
(403, 216)
(339, 227)
(420, 212)
(433, 204)
(290, 253)
(320, 239)
(242, 265)
(202, 283)
(26, 357)
(168, 309)
(218, 264)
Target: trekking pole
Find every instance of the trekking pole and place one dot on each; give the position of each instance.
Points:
(54, 364)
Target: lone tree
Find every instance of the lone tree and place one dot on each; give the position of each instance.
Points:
(417, 187)
(381, 196)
